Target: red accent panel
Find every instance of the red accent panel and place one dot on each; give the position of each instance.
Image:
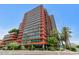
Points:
(37, 43)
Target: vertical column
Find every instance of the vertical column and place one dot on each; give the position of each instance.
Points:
(21, 29)
(43, 26)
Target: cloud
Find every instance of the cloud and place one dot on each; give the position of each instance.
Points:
(75, 41)
(74, 38)
(3, 32)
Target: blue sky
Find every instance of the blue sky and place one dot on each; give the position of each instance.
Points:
(64, 14)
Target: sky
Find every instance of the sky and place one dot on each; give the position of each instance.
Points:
(11, 16)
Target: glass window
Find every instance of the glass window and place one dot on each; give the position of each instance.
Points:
(33, 37)
(33, 24)
(24, 42)
(36, 16)
(34, 31)
(34, 21)
(35, 40)
(31, 34)
(32, 28)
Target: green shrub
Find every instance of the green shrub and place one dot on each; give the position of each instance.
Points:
(22, 47)
(5, 48)
(31, 47)
(13, 46)
(51, 48)
(58, 49)
(72, 49)
(77, 46)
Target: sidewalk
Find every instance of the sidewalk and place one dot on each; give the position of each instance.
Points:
(36, 52)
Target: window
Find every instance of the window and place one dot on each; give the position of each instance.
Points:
(35, 40)
(31, 34)
(33, 37)
(33, 21)
(25, 37)
(31, 31)
(33, 24)
(35, 16)
(24, 42)
(32, 28)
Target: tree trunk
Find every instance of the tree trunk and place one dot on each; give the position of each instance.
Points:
(43, 46)
(67, 42)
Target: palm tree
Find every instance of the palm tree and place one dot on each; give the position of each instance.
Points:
(61, 40)
(65, 36)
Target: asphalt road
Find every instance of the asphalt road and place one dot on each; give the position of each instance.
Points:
(36, 52)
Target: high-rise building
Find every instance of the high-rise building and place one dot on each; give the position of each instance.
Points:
(36, 27)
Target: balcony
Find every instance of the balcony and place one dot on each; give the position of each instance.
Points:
(19, 37)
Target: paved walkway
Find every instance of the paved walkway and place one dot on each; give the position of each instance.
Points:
(27, 52)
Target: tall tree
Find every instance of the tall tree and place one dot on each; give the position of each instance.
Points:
(65, 36)
(53, 39)
(55, 33)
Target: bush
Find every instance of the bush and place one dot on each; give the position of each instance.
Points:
(13, 46)
(5, 48)
(38, 48)
(31, 47)
(72, 49)
(77, 46)
(22, 47)
(51, 48)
